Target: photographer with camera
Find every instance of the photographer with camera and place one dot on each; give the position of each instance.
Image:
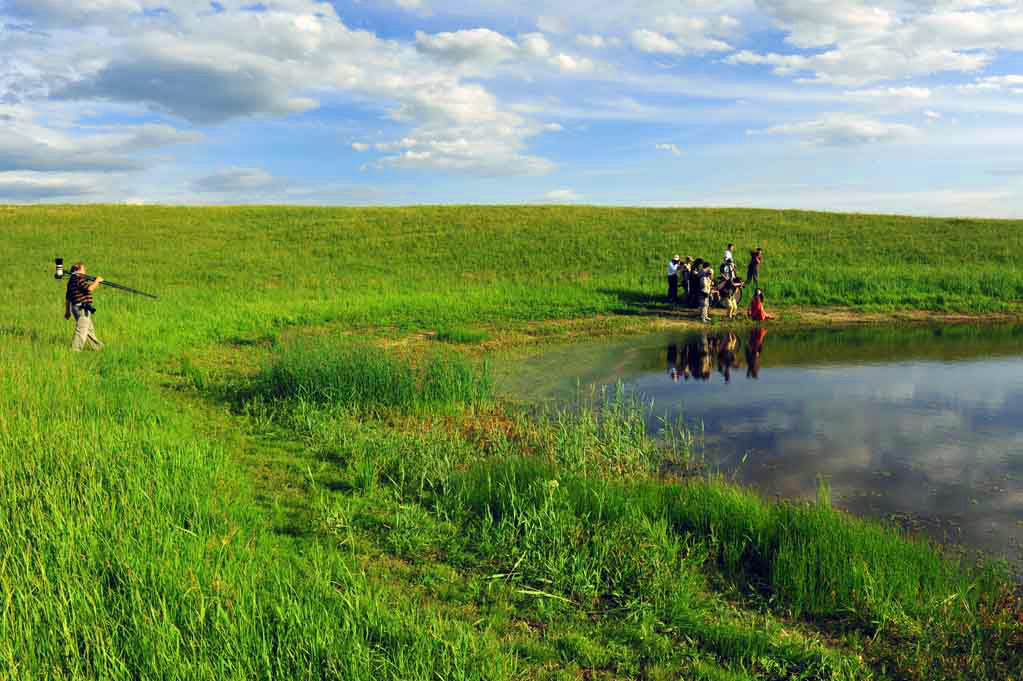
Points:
(78, 302)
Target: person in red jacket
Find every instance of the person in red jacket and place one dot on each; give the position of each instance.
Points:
(756, 307)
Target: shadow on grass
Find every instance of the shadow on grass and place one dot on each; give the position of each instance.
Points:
(639, 303)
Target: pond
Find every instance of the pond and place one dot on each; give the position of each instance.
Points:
(923, 426)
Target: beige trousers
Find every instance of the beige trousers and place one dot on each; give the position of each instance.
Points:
(85, 332)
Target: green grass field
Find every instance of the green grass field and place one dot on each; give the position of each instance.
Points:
(268, 474)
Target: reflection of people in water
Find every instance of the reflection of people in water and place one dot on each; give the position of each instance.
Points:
(698, 357)
(728, 344)
(673, 362)
(753, 351)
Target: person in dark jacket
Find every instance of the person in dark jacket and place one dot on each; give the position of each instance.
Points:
(753, 269)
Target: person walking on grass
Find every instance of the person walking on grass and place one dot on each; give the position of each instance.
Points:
(673, 271)
(78, 302)
(728, 253)
(753, 269)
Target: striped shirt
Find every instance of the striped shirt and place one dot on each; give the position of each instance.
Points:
(78, 292)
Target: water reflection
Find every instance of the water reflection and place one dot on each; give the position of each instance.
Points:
(701, 356)
(924, 425)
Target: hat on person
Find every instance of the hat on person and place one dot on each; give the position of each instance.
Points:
(676, 257)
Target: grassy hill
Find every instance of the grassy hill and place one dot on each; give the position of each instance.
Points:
(255, 481)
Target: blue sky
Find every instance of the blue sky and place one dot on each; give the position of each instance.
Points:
(905, 106)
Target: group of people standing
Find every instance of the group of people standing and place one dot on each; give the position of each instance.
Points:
(699, 285)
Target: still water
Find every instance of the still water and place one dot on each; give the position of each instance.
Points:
(920, 425)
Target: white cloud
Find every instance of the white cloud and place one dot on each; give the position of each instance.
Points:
(866, 42)
(654, 42)
(563, 195)
(860, 65)
(892, 93)
(237, 180)
(535, 44)
(491, 154)
(360, 146)
(1012, 83)
(932, 115)
(478, 44)
(18, 187)
(820, 24)
(670, 148)
(842, 129)
(28, 145)
(210, 67)
(570, 64)
(595, 41)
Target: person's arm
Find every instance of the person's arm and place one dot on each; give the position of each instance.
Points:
(95, 284)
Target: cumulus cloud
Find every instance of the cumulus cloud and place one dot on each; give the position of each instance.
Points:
(563, 195)
(860, 65)
(479, 50)
(464, 150)
(865, 42)
(680, 36)
(237, 180)
(842, 129)
(209, 67)
(654, 42)
(478, 44)
(27, 145)
(18, 187)
(670, 148)
(198, 88)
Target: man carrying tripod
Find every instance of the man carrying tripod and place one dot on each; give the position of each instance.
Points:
(78, 302)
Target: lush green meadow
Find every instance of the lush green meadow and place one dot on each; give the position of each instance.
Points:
(263, 477)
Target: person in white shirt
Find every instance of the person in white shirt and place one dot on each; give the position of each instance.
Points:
(673, 268)
(728, 252)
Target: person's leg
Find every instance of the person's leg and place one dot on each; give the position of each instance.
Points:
(81, 332)
(731, 307)
(705, 308)
(96, 342)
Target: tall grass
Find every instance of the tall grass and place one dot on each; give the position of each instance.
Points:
(357, 375)
(147, 534)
